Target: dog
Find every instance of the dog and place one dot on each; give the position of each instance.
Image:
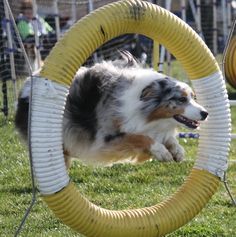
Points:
(118, 111)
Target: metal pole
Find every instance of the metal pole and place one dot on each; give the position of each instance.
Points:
(228, 190)
(19, 39)
(162, 54)
(223, 5)
(91, 8)
(197, 16)
(193, 9)
(10, 49)
(168, 55)
(229, 16)
(5, 97)
(57, 20)
(215, 43)
(33, 200)
(4, 73)
(34, 189)
(90, 3)
(36, 36)
(155, 55)
(162, 59)
(199, 19)
(183, 10)
(73, 11)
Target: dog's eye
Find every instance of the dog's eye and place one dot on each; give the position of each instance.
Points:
(182, 99)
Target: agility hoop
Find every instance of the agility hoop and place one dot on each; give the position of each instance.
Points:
(230, 60)
(49, 94)
(229, 57)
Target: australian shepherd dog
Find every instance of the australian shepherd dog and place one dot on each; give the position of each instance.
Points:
(118, 111)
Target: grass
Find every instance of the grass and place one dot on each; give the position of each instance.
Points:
(117, 187)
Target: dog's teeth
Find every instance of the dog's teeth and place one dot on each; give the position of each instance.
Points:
(188, 122)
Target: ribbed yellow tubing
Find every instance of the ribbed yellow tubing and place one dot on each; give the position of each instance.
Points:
(123, 17)
(230, 62)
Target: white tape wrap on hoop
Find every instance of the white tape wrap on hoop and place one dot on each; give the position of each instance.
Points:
(48, 102)
(215, 133)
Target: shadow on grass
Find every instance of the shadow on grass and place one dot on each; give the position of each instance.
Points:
(17, 190)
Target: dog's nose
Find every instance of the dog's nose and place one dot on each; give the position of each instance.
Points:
(204, 114)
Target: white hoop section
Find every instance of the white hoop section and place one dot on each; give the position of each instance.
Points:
(48, 103)
(211, 92)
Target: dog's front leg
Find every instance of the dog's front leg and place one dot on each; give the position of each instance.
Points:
(67, 159)
(175, 149)
(160, 152)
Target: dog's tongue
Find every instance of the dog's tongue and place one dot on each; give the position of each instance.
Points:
(193, 124)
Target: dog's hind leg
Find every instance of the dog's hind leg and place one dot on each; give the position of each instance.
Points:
(134, 147)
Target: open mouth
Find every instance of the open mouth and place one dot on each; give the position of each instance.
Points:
(193, 124)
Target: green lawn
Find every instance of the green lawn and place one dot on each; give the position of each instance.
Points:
(116, 187)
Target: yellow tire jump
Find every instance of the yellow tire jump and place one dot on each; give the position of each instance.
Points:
(47, 105)
(230, 62)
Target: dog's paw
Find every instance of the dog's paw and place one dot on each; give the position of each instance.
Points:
(177, 152)
(175, 149)
(160, 152)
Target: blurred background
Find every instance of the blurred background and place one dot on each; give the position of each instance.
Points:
(30, 27)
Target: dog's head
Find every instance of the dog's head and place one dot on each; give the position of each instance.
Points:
(166, 98)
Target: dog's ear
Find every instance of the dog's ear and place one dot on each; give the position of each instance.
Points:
(129, 58)
(146, 93)
(150, 93)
